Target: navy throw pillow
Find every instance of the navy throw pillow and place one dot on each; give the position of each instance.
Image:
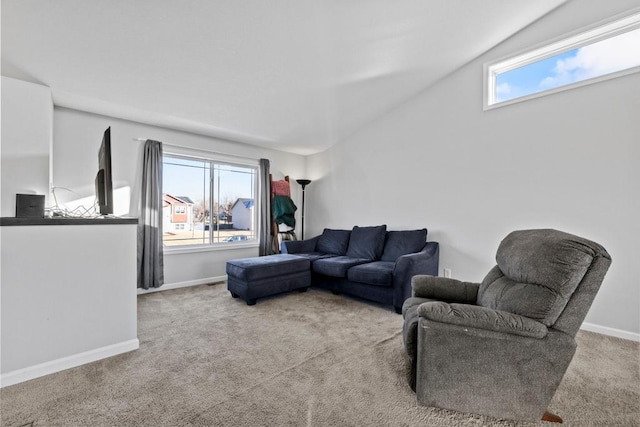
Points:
(333, 241)
(367, 242)
(403, 242)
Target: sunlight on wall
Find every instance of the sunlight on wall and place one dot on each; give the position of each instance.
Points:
(86, 206)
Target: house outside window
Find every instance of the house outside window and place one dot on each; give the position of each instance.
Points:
(201, 195)
(601, 53)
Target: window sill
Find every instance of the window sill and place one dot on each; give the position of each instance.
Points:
(178, 250)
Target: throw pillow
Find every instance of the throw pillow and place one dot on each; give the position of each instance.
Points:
(367, 242)
(333, 242)
(403, 242)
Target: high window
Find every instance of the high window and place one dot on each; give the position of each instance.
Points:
(601, 53)
(207, 201)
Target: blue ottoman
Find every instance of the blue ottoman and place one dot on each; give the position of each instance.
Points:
(251, 278)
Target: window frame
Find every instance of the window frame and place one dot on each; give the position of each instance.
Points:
(619, 24)
(216, 158)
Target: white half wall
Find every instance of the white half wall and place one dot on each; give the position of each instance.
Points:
(68, 296)
(27, 120)
(567, 161)
(77, 138)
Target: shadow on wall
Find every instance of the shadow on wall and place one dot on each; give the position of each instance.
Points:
(22, 174)
(462, 263)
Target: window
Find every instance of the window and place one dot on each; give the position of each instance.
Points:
(207, 201)
(602, 53)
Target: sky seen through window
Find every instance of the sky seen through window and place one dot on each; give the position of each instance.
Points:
(617, 53)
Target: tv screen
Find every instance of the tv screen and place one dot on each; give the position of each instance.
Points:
(104, 187)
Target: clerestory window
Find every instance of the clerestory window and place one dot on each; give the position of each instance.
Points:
(605, 52)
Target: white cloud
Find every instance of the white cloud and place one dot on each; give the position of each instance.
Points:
(503, 89)
(597, 59)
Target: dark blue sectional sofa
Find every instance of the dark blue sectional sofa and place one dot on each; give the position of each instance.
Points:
(368, 262)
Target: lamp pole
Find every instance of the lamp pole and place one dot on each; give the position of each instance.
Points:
(303, 183)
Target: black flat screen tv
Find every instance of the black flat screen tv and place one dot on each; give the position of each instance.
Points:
(104, 186)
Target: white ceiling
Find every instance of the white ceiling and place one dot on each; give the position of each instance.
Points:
(294, 75)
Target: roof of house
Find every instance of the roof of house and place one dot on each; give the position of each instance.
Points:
(248, 203)
(185, 199)
(171, 199)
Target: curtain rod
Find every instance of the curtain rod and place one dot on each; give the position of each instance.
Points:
(189, 148)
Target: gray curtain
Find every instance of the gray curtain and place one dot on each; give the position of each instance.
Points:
(150, 257)
(266, 242)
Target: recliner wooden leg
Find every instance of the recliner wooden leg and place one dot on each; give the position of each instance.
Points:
(552, 418)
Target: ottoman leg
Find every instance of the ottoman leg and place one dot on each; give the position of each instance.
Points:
(251, 302)
(303, 289)
(234, 295)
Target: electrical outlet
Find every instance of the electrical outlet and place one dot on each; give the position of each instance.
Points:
(447, 272)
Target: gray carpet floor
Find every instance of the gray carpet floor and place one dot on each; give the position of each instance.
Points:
(299, 359)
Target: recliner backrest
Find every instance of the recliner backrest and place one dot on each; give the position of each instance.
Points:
(537, 274)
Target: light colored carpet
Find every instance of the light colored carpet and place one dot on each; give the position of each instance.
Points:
(313, 359)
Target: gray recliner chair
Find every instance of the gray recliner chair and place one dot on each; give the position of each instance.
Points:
(501, 347)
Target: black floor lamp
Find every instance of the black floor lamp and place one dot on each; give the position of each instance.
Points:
(304, 183)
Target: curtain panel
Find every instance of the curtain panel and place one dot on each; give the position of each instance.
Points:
(265, 240)
(150, 255)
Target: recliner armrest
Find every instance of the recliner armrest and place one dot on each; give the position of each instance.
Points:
(445, 289)
(473, 316)
(299, 246)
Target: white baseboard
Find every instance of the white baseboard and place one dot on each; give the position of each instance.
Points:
(604, 330)
(31, 372)
(168, 286)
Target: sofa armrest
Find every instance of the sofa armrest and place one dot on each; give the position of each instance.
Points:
(299, 246)
(407, 266)
(473, 316)
(444, 289)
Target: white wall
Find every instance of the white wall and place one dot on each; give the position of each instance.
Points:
(63, 301)
(77, 138)
(567, 161)
(242, 216)
(27, 118)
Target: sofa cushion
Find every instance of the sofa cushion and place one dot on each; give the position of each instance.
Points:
(404, 242)
(367, 242)
(313, 256)
(378, 273)
(336, 266)
(333, 241)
